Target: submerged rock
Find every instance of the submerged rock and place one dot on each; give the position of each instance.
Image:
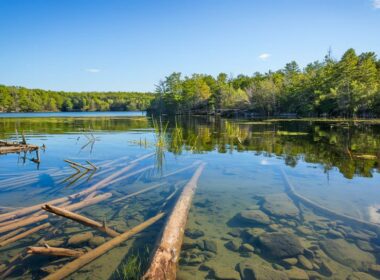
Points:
(254, 217)
(232, 245)
(290, 261)
(347, 254)
(326, 269)
(194, 233)
(247, 248)
(280, 245)
(304, 262)
(97, 241)
(297, 274)
(257, 271)
(375, 270)
(360, 276)
(80, 238)
(210, 245)
(280, 205)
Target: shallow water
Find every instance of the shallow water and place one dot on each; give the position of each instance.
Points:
(248, 200)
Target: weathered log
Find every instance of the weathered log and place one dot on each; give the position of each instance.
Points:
(165, 259)
(38, 218)
(297, 197)
(24, 234)
(85, 259)
(131, 174)
(23, 222)
(54, 251)
(11, 234)
(139, 192)
(80, 219)
(27, 210)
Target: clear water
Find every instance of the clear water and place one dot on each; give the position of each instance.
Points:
(332, 164)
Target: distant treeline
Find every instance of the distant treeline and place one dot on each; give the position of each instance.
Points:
(20, 99)
(347, 87)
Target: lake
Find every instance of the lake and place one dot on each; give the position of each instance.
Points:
(287, 199)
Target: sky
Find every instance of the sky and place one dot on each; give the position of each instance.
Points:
(129, 45)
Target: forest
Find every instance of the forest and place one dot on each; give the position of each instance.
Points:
(20, 99)
(345, 87)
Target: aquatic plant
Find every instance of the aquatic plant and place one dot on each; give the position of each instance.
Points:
(134, 267)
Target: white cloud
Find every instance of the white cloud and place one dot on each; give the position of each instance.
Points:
(376, 4)
(264, 56)
(92, 70)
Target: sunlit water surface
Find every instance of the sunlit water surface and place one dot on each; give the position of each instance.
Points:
(242, 211)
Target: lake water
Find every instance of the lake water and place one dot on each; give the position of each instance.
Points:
(280, 199)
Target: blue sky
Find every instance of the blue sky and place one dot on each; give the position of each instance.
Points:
(83, 45)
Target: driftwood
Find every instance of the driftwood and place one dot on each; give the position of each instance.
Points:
(85, 259)
(164, 262)
(131, 174)
(24, 234)
(139, 192)
(11, 234)
(38, 218)
(297, 197)
(53, 251)
(80, 219)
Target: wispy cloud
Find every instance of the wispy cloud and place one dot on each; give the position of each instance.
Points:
(376, 4)
(264, 56)
(92, 70)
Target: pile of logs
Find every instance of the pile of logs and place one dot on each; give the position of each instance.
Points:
(13, 224)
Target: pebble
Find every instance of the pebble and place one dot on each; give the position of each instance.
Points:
(232, 245)
(247, 248)
(304, 262)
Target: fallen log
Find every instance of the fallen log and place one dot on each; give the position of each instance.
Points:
(54, 251)
(11, 234)
(80, 219)
(13, 147)
(165, 259)
(139, 192)
(131, 174)
(85, 259)
(297, 197)
(24, 234)
(34, 219)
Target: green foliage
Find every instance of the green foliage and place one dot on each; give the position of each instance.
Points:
(348, 87)
(19, 99)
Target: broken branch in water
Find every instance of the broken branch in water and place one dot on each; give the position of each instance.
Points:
(80, 219)
(53, 251)
(164, 262)
(83, 260)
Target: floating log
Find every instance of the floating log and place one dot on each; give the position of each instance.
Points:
(165, 259)
(297, 197)
(139, 192)
(54, 251)
(80, 219)
(24, 234)
(85, 259)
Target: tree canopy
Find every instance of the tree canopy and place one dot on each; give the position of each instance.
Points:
(20, 99)
(346, 87)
